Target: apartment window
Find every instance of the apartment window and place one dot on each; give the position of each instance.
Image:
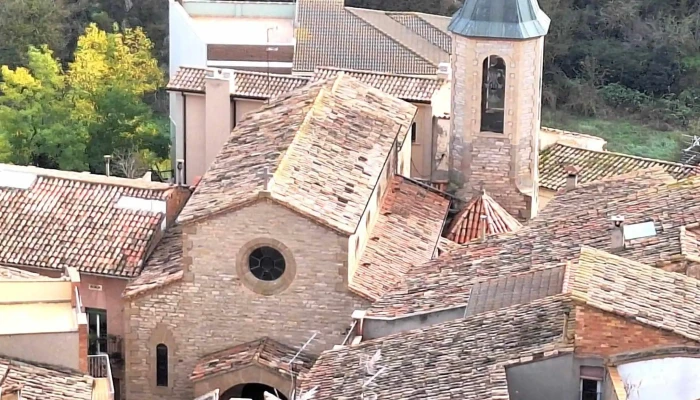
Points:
(97, 330)
(162, 365)
(413, 133)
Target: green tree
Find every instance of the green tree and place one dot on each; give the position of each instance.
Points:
(25, 23)
(109, 78)
(35, 116)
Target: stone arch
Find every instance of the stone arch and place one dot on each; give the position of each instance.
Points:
(161, 335)
(493, 94)
(252, 374)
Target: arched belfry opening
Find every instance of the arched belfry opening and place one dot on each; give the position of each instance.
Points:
(493, 94)
(253, 391)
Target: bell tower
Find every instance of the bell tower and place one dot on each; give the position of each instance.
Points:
(497, 48)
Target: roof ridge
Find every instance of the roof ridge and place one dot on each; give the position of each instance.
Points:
(393, 39)
(87, 177)
(371, 72)
(656, 160)
(303, 127)
(258, 73)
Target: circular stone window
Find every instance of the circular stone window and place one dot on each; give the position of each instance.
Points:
(266, 263)
(265, 266)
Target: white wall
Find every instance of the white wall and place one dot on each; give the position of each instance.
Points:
(674, 378)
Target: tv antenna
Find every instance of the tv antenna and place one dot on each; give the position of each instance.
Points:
(372, 370)
(310, 394)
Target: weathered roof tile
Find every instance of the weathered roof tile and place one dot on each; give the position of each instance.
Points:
(43, 382)
(481, 216)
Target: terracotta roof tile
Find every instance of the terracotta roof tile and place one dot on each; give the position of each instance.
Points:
(461, 359)
(73, 219)
(575, 218)
(319, 44)
(649, 295)
(446, 245)
(163, 267)
(596, 165)
(43, 382)
(405, 234)
(325, 145)
(482, 213)
(188, 79)
(690, 242)
(256, 85)
(265, 352)
(409, 88)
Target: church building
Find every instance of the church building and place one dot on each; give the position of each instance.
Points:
(304, 217)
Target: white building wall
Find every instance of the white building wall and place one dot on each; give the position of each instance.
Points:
(675, 378)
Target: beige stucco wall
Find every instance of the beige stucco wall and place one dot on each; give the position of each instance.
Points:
(421, 148)
(196, 162)
(48, 348)
(35, 291)
(550, 136)
(505, 163)
(245, 106)
(211, 309)
(218, 119)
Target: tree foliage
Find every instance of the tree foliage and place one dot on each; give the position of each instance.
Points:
(70, 120)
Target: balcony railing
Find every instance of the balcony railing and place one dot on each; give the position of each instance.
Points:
(99, 367)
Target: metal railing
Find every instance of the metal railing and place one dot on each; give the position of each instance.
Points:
(78, 302)
(99, 367)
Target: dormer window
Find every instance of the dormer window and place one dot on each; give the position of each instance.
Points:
(493, 94)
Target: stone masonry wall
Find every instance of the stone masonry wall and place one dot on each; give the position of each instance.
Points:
(211, 309)
(604, 334)
(505, 163)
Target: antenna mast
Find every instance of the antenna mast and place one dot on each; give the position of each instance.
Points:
(293, 373)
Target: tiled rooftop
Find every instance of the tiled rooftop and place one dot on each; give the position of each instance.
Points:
(43, 382)
(247, 84)
(596, 165)
(462, 359)
(265, 352)
(468, 224)
(575, 218)
(325, 145)
(409, 88)
(405, 234)
(649, 295)
(61, 219)
(162, 268)
(388, 42)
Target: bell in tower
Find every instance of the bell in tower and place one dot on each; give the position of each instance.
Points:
(497, 87)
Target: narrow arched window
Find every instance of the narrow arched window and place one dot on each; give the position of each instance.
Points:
(162, 365)
(493, 94)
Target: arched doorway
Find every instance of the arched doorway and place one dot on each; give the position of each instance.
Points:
(253, 391)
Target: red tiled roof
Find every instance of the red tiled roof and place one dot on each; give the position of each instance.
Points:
(43, 382)
(72, 219)
(324, 144)
(595, 165)
(409, 88)
(264, 352)
(163, 267)
(468, 223)
(405, 234)
(256, 85)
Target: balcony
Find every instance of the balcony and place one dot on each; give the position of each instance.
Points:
(100, 369)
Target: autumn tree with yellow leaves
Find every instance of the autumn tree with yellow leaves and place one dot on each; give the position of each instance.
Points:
(71, 119)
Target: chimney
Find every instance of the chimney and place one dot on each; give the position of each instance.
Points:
(572, 173)
(217, 113)
(618, 236)
(108, 158)
(180, 172)
(444, 71)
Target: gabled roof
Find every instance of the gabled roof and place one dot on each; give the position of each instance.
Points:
(409, 88)
(648, 295)
(162, 268)
(330, 34)
(596, 165)
(325, 145)
(461, 359)
(100, 225)
(44, 382)
(468, 224)
(246, 84)
(575, 218)
(264, 352)
(405, 234)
